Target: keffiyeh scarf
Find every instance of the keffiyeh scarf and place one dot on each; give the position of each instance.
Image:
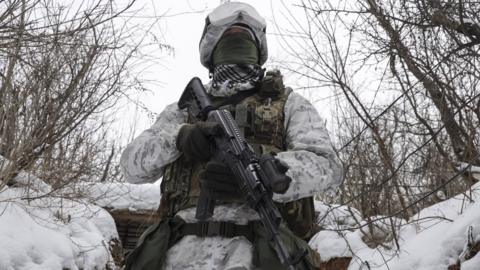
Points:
(230, 79)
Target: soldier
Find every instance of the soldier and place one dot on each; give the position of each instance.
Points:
(272, 118)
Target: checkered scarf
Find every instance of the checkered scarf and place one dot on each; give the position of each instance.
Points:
(229, 79)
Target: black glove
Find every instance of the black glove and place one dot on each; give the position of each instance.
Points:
(196, 140)
(218, 182)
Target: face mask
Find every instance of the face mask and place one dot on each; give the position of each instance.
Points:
(238, 48)
(230, 79)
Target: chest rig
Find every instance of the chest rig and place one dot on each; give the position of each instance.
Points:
(260, 117)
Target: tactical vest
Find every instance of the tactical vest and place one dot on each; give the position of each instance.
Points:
(260, 118)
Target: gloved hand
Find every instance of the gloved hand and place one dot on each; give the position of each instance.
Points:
(218, 181)
(196, 140)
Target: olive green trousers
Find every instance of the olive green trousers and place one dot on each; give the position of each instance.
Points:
(153, 244)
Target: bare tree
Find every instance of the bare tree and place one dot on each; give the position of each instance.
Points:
(405, 76)
(60, 69)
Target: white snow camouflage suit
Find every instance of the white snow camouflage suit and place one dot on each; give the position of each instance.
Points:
(314, 168)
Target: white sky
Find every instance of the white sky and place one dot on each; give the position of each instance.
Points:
(181, 27)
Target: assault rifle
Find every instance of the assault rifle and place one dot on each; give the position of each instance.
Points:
(258, 176)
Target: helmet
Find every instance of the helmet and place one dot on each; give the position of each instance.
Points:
(225, 16)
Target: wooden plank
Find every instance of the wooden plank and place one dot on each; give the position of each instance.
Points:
(131, 224)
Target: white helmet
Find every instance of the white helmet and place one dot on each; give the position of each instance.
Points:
(221, 19)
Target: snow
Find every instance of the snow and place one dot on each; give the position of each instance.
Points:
(334, 216)
(472, 264)
(123, 196)
(53, 233)
(431, 240)
(446, 211)
(440, 245)
(26, 179)
(48, 232)
(330, 244)
(474, 171)
(41, 230)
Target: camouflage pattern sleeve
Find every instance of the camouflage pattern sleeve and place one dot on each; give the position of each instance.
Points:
(143, 159)
(314, 166)
(207, 253)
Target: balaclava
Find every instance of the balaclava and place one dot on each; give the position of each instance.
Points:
(237, 46)
(235, 60)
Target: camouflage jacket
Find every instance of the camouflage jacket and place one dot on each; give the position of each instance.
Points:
(314, 168)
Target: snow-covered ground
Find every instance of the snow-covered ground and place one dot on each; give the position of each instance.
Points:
(123, 196)
(41, 229)
(433, 239)
(53, 233)
(49, 232)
